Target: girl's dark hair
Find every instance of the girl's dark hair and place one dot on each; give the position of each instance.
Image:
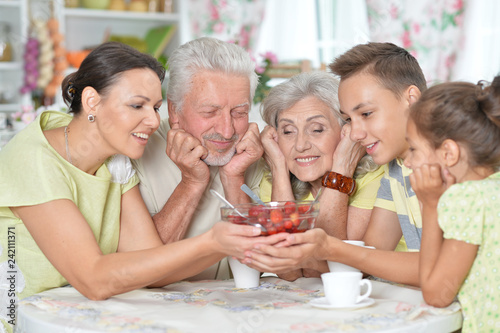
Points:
(466, 113)
(102, 68)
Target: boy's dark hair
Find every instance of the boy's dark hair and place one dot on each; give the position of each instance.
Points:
(391, 65)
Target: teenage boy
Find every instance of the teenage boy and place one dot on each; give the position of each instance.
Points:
(378, 84)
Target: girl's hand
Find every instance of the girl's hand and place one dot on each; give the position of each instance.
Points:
(347, 154)
(272, 152)
(429, 183)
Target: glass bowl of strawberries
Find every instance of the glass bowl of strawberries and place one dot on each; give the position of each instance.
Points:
(275, 216)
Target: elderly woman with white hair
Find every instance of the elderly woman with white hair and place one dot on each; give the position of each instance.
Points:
(307, 146)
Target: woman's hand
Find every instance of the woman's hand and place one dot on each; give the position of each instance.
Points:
(291, 275)
(298, 273)
(296, 251)
(272, 152)
(429, 182)
(235, 239)
(347, 154)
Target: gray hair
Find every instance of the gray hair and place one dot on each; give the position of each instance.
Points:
(321, 85)
(210, 54)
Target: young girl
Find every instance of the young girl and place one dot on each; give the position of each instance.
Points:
(454, 135)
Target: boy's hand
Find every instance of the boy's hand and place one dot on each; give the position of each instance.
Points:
(429, 183)
(347, 154)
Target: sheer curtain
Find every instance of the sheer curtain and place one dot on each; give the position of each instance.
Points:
(289, 29)
(479, 58)
(317, 30)
(342, 24)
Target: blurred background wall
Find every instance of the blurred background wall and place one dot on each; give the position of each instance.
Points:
(452, 39)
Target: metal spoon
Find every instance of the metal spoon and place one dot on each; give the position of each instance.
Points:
(304, 222)
(221, 198)
(252, 195)
(315, 199)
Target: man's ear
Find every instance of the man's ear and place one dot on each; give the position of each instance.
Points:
(90, 100)
(450, 152)
(412, 94)
(173, 117)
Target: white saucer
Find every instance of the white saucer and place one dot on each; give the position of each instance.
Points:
(322, 303)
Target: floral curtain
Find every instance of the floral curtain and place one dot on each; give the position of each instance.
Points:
(430, 30)
(229, 20)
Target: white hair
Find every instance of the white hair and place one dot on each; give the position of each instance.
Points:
(210, 54)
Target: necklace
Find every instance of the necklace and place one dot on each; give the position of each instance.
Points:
(68, 155)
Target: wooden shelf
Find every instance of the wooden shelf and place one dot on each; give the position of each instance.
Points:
(86, 28)
(10, 65)
(121, 15)
(13, 107)
(11, 3)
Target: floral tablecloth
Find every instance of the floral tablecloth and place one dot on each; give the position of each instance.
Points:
(216, 306)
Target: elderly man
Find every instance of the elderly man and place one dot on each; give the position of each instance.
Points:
(208, 141)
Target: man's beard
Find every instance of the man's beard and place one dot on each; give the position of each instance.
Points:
(218, 159)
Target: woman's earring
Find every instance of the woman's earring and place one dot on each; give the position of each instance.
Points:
(91, 118)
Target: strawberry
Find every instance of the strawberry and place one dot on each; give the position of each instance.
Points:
(295, 219)
(254, 211)
(303, 209)
(290, 207)
(276, 216)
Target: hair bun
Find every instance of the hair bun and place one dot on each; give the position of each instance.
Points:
(488, 98)
(495, 86)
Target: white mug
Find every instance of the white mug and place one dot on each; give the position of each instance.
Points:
(343, 288)
(244, 276)
(339, 267)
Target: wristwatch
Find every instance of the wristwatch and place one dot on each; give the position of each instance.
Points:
(339, 182)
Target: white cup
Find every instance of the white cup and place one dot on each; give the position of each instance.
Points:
(244, 276)
(338, 267)
(343, 288)
(355, 242)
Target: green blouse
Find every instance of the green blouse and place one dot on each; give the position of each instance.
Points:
(470, 212)
(33, 173)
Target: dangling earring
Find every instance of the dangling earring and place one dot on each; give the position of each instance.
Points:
(91, 118)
